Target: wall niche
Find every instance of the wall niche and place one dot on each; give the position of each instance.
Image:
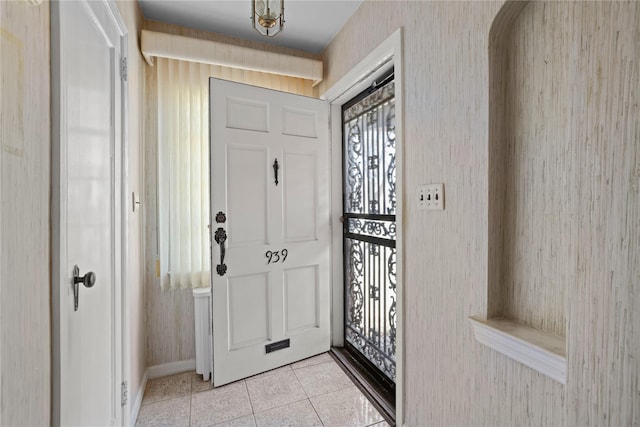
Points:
(532, 187)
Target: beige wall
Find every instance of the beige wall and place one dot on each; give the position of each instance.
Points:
(25, 156)
(588, 101)
(25, 355)
(130, 12)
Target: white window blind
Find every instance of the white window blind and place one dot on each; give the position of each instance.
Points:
(183, 154)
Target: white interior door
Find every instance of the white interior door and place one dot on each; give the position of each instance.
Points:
(87, 213)
(271, 303)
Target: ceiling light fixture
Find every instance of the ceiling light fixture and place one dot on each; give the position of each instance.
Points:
(267, 16)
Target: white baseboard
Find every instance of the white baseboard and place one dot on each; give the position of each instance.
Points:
(156, 372)
(135, 407)
(170, 368)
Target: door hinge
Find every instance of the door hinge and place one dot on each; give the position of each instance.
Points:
(124, 393)
(123, 68)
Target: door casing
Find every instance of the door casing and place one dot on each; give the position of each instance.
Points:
(119, 202)
(388, 54)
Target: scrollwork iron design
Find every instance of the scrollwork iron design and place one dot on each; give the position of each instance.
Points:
(356, 272)
(385, 229)
(354, 169)
(370, 206)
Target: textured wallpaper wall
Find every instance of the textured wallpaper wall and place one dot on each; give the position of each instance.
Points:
(25, 159)
(580, 64)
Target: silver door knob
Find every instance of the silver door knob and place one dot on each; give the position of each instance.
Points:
(88, 280)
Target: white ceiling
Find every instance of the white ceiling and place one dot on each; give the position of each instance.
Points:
(309, 24)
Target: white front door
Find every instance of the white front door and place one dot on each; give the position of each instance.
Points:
(271, 293)
(86, 213)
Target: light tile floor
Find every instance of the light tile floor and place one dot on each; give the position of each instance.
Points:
(312, 392)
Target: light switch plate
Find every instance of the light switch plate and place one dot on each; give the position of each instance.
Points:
(430, 197)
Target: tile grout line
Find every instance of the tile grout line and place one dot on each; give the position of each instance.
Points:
(282, 406)
(353, 387)
(253, 414)
(351, 383)
(300, 382)
(165, 399)
(246, 388)
(307, 393)
(296, 399)
(316, 411)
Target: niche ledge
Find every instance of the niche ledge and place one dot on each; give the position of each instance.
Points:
(541, 351)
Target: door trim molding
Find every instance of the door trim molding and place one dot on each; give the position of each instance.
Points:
(58, 230)
(125, 325)
(388, 54)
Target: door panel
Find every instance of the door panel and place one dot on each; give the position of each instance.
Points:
(301, 299)
(276, 283)
(299, 196)
(298, 122)
(248, 115)
(248, 303)
(247, 205)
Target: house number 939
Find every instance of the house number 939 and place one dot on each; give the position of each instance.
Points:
(276, 256)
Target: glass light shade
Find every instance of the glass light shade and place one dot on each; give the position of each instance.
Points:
(267, 16)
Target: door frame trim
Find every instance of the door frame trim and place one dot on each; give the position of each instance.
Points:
(388, 54)
(120, 203)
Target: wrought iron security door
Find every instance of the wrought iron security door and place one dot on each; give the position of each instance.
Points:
(369, 187)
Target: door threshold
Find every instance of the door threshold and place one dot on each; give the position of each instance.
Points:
(382, 398)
